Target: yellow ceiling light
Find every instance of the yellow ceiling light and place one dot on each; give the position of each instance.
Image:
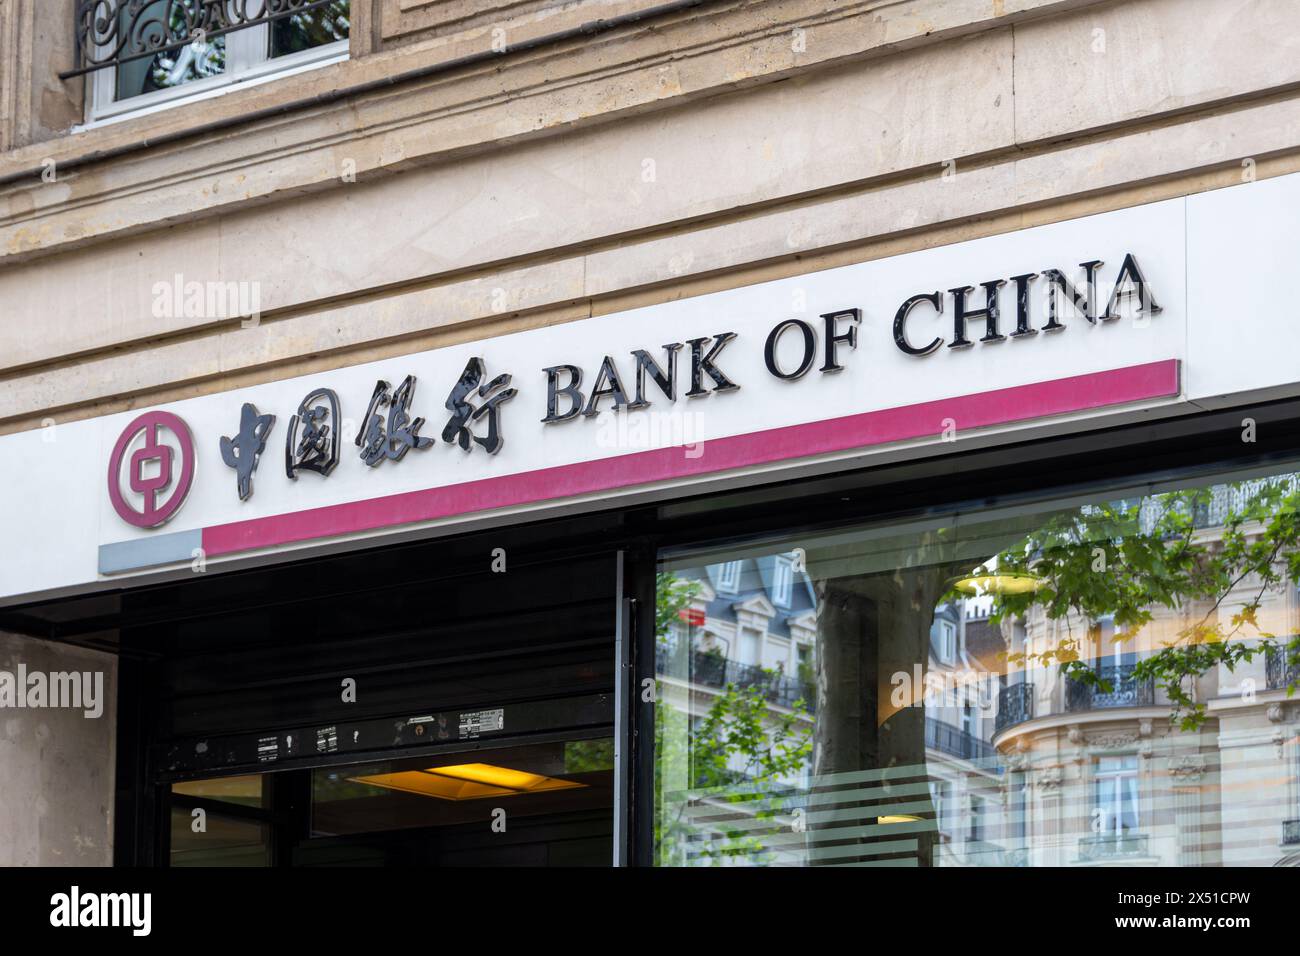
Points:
(486, 773)
(997, 582)
(898, 818)
(426, 784)
(469, 781)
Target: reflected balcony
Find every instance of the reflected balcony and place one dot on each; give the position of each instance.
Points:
(1015, 706)
(945, 738)
(1103, 847)
(1290, 832)
(1125, 691)
(716, 671)
(1279, 671)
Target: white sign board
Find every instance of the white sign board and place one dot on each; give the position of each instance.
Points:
(1129, 348)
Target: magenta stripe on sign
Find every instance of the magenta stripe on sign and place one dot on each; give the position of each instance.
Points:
(997, 407)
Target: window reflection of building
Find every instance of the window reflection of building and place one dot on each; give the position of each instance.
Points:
(1108, 780)
(759, 613)
(749, 626)
(959, 726)
(1020, 765)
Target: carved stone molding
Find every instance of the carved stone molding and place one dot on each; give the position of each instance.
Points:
(1050, 779)
(1016, 761)
(1187, 769)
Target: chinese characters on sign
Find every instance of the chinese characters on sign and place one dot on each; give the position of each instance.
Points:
(387, 433)
(242, 452)
(402, 434)
(463, 411)
(318, 447)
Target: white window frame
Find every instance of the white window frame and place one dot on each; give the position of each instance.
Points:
(729, 577)
(248, 63)
(947, 641)
(977, 820)
(1124, 783)
(1020, 797)
(783, 582)
(940, 795)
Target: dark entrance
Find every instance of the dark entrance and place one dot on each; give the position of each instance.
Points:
(434, 703)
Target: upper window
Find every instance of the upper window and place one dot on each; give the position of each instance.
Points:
(729, 577)
(783, 582)
(147, 54)
(947, 641)
(1115, 808)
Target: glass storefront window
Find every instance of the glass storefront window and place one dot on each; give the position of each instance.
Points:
(1096, 680)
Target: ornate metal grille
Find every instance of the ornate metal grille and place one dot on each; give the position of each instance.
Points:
(1015, 706)
(956, 742)
(714, 670)
(1125, 691)
(110, 32)
(1279, 671)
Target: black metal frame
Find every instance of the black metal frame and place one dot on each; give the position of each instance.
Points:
(1173, 449)
(148, 29)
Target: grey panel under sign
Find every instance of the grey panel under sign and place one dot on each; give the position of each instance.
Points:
(149, 552)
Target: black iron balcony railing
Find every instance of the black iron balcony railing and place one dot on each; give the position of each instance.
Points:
(110, 32)
(944, 737)
(1279, 670)
(1125, 691)
(714, 670)
(1290, 832)
(1107, 846)
(1015, 706)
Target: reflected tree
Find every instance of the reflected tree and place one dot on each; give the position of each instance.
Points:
(1127, 559)
(732, 756)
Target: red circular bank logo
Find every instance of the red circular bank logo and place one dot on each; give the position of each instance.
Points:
(151, 469)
